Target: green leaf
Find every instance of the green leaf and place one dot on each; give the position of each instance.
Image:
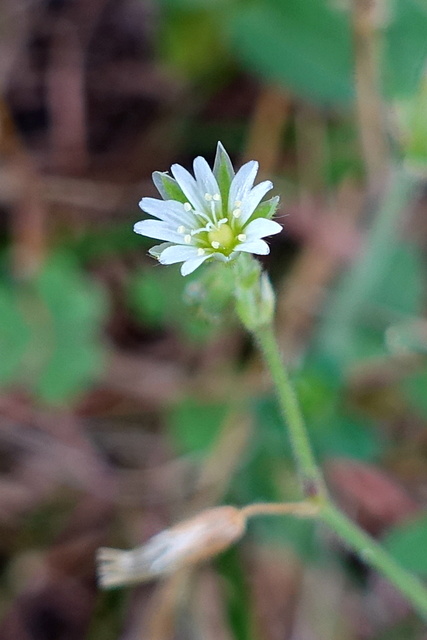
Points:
(405, 49)
(162, 298)
(407, 543)
(14, 335)
(72, 311)
(415, 389)
(238, 600)
(194, 425)
(305, 45)
(401, 290)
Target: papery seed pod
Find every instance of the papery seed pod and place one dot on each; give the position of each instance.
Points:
(187, 543)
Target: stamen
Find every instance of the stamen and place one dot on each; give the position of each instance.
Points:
(187, 239)
(196, 231)
(200, 252)
(187, 206)
(237, 213)
(208, 197)
(222, 221)
(214, 212)
(202, 215)
(216, 197)
(241, 237)
(215, 244)
(181, 229)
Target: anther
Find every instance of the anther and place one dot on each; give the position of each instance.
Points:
(238, 203)
(181, 229)
(200, 252)
(222, 221)
(237, 213)
(241, 237)
(215, 244)
(208, 197)
(187, 206)
(216, 197)
(187, 239)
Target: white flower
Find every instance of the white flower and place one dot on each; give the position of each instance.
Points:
(214, 214)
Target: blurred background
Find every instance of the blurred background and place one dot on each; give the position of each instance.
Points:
(130, 398)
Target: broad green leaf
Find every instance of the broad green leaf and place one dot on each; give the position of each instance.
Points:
(194, 425)
(415, 389)
(305, 45)
(408, 543)
(238, 598)
(71, 358)
(405, 46)
(401, 289)
(13, 335)
(193, 306)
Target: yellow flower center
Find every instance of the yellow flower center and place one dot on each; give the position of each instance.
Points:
(223, 237)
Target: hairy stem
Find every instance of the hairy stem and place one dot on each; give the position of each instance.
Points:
(311, 478)
(313, 485)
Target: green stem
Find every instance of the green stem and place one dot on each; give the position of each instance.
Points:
(311, 478)
(375, 556)
(359, 283)
(313, 485)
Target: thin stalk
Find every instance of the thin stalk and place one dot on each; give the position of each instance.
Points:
(313, 485)
(374, 555)
(366, 274)
(311, 478)
(301, 509)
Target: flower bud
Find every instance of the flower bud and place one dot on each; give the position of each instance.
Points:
(187, 543)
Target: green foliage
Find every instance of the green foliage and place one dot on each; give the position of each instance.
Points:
(408, 543)
(74, 308)
(415, 389)
(194, 425)
(334, 429)
(163, 298)
(405, 49)
(56, 352)
(238, 601)
(303, 44)
(400, 291)
(14, 334)
(191, 39)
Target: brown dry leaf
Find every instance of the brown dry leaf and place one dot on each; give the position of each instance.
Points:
(375, 499)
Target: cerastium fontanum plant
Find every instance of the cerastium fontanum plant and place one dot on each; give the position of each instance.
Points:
(218, 215)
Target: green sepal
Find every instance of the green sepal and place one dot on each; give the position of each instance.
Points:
(254, 295)
(223, 172)
(266, 209)
(168, 188)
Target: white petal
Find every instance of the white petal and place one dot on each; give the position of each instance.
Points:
(260, 228)
(169, 211)
(189, 186)
(159, 248)
(242, 183)
(205, 178)
(158, 230)
(178, 253)
(260, 247)
(253, 198)
(191, 265)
